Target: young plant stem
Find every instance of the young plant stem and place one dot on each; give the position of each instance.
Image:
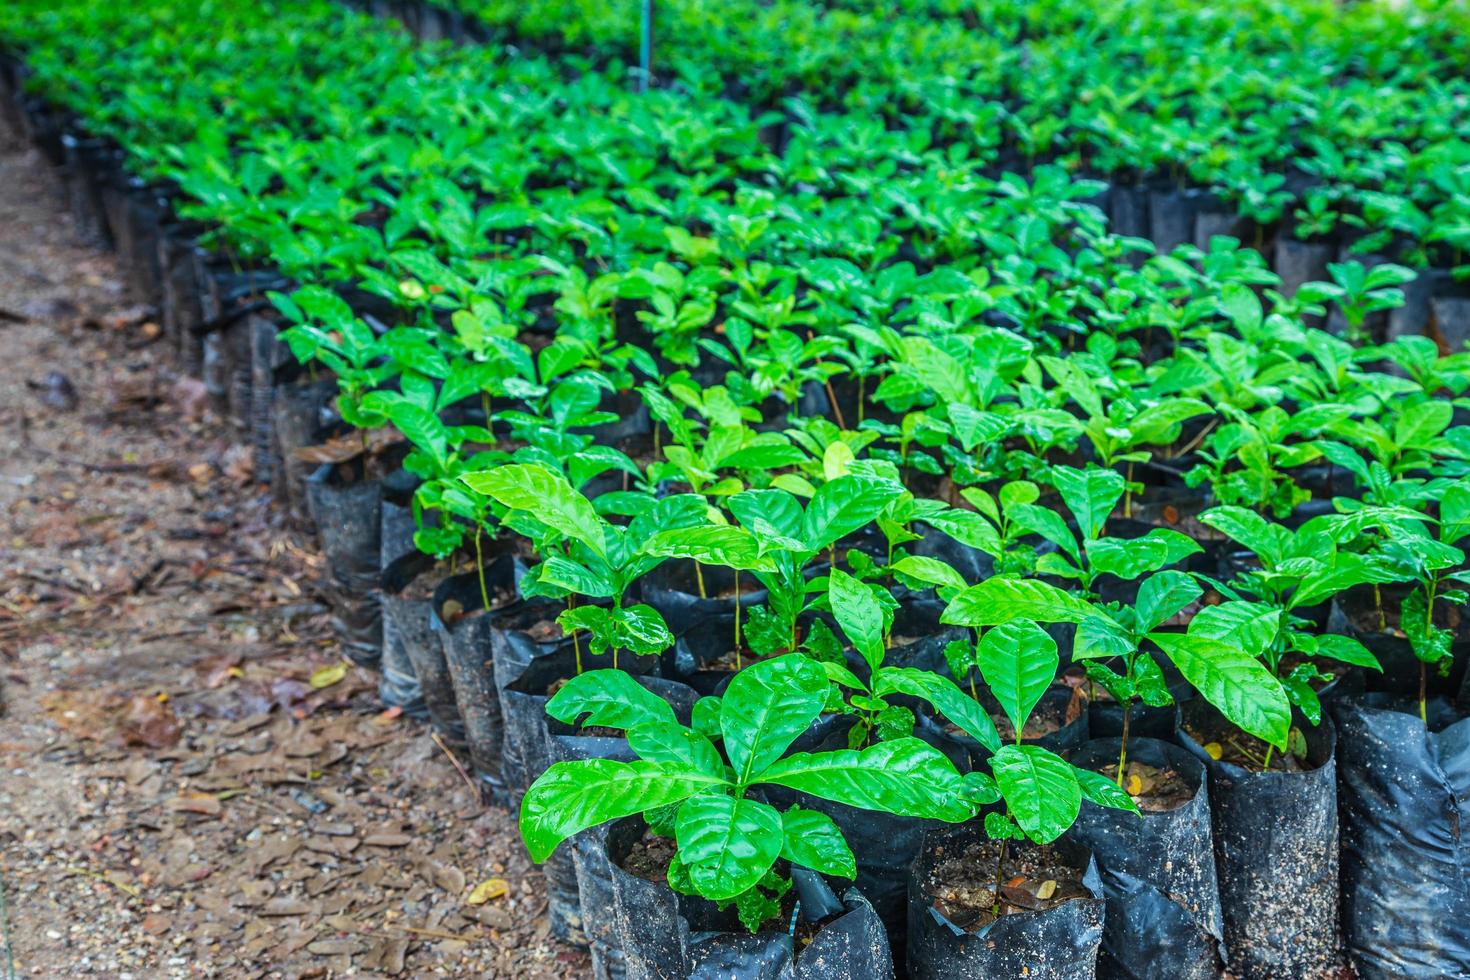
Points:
(485, 407)
(699, 580)
(832, 400)
(1423, 677)
(1267, 763)
(1000, 876)
(737, 619)
(1128, 495)
(862, 400)
(480, 569)
(576, 643)
(1123, 748)
(1378, 602)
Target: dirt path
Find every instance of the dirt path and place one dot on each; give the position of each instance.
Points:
(177, 799)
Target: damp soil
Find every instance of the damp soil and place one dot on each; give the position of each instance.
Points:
(1050, 716)
(452, 611)
(729, 663)
(650, 858)
(962, 879)
(1230, 744)
(1369, 617)
(1155, 790)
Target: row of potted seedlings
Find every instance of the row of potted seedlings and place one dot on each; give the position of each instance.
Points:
(1317, 126)
(807, 635)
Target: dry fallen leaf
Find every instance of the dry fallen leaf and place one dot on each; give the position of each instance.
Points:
(149, 722)
(329, 675)
(205, 804)
(488, 889)
(1046, 889)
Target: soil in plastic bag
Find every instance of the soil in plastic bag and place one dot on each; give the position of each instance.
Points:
(887, 843)
(592, 885)
(349, 526)
(668, 936)
(1355, 614)
(297, 411)
(1275, 848)
(405, 620)
(457, 673)
(532, 657)
(673, 589)
(1163, 918)
(1051, 921)
(1404, 805)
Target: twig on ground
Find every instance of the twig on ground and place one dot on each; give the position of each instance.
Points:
(457, 767)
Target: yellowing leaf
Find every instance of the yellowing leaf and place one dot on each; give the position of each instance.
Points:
(836, 460)
(488, 889)
(1214, 749)
(329, 675)
(1135, 785)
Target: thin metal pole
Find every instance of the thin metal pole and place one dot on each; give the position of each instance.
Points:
(645, 47)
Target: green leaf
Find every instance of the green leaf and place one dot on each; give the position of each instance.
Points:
(1090, 495)
(713, 544)
(423, 428)
(1000, 600)
(1103, 791)
(845, 505)
(574, 577)
(1040, 788)
(675, 746)
(1250, 626)
(768, 513)
(905, 777)
(1454, 511)
(930, 571)
(572, 796)
(813, 841)
(1420, 424)
(1345, 649)
(946, 698)
(1163, 595)
(1235, 682)
(1047, 523)
(1247, 527)
(545, 495)
(705, 718)
(1129, 559)
(1018, 661)
(727, 845)
(642, 630)
(858, 613)
(967, 528)
(1101, 637)
(609, 699)
(765, 707)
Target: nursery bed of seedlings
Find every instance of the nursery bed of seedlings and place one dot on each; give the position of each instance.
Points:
(1306, 130)
(773, 506)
